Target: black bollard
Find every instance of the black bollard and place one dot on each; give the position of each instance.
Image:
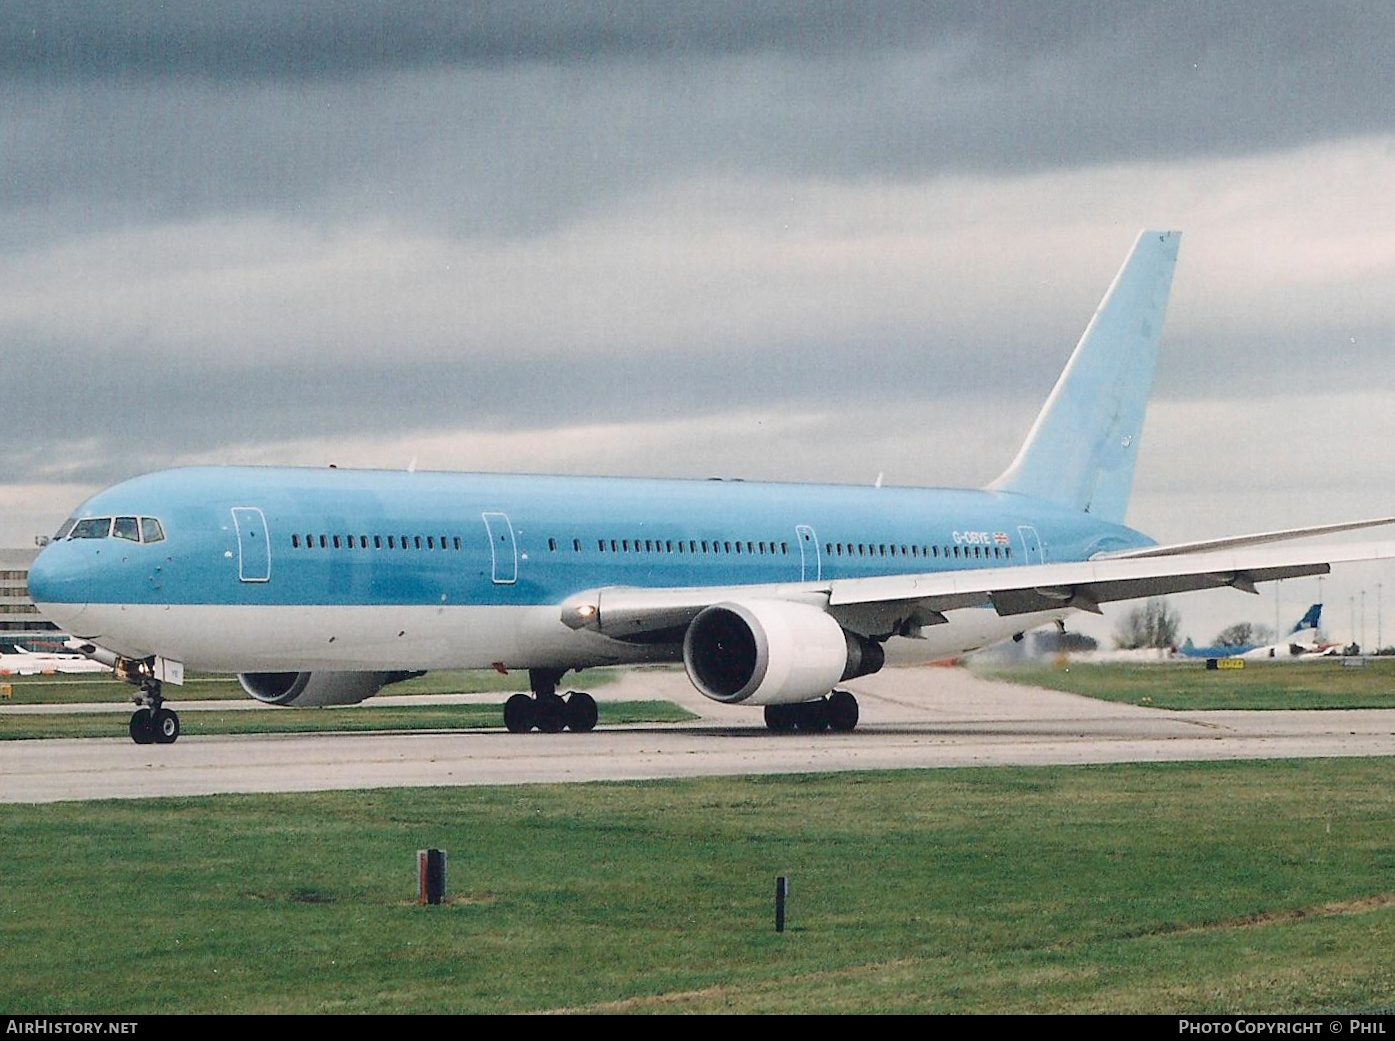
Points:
(431, 876)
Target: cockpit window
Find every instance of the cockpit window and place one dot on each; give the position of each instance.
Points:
(134, 529)
(91, 528)
(67, 527)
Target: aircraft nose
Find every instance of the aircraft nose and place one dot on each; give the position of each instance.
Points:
(59, 583)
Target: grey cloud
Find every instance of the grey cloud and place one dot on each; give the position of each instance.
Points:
(221, 39)
(506, 119)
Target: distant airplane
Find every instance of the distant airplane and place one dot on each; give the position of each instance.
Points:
(24, 662)
(1304, 632)
(321, 586)
(1304, 641)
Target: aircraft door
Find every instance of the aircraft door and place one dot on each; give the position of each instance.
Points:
(810, 562)
(503, 548)
(253, 544)
(1032, 552)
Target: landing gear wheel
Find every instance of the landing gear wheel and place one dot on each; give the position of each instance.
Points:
(166, 726)
(142, 727)
(779, 718)
(519, 714)
(551, 713)
(811, 717)
(581, 712)
(842, 712)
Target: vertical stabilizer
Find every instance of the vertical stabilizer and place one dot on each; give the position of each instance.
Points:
(1082, 449)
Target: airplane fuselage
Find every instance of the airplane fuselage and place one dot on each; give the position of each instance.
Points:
(262, 569)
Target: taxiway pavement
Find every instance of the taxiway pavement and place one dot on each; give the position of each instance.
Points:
(911, 719)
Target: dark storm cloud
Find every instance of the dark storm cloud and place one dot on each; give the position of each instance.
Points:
(506, 118)
(505, 122)
(253, 38)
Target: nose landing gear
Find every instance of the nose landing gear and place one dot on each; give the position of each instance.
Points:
(152, 723)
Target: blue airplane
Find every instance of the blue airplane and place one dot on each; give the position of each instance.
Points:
(322, 586)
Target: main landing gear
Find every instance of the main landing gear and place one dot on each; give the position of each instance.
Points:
(547, 710)
(837, 712)
(152, 723)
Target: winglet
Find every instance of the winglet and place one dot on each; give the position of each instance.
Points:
(1083, 447)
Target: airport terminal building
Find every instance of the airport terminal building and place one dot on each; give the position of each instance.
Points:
(20, 621)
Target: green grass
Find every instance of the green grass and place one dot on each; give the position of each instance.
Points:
(354, 718)
(1221, 887)
(87, 688)
(1190, 685)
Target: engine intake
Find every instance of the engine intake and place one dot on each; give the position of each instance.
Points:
(773, 652)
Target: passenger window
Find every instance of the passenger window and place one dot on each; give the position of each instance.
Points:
(126, 528)
(295, 542)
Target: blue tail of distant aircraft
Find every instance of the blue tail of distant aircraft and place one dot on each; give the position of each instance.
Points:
(1083, 447)
(1311, 620)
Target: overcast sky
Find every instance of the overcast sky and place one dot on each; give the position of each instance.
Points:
(811, 241)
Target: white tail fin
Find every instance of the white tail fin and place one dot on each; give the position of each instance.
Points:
(1082, 449)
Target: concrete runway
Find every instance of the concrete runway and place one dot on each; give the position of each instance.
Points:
(911, 718)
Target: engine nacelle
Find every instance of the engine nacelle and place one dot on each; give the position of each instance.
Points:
(312, 689)
(773, 652)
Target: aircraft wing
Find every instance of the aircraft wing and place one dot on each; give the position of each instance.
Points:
(1257, 539)
(900, 604)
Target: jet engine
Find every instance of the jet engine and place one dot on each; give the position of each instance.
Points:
(312, 689)
(773, 652)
